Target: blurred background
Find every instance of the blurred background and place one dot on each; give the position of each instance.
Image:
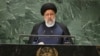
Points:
(82, 17)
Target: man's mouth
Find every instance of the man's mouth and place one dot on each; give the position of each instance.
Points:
(50, 22)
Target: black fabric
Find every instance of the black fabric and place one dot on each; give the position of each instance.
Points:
(48, 6)
(35, 32)
(66, 32)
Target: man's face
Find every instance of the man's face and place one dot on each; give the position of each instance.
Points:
(49, 17)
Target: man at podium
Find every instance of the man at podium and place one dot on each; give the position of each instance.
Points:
(49, 27)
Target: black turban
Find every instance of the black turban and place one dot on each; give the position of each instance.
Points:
(48, 6)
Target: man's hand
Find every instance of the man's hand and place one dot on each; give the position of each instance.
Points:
(41, 43)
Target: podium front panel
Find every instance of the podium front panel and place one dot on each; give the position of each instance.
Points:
(47, 50)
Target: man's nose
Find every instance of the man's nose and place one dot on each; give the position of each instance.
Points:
(49, 15)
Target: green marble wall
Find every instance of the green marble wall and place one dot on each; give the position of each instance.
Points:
(82, 17)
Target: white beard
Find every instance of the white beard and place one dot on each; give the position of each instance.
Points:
(50, 23)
